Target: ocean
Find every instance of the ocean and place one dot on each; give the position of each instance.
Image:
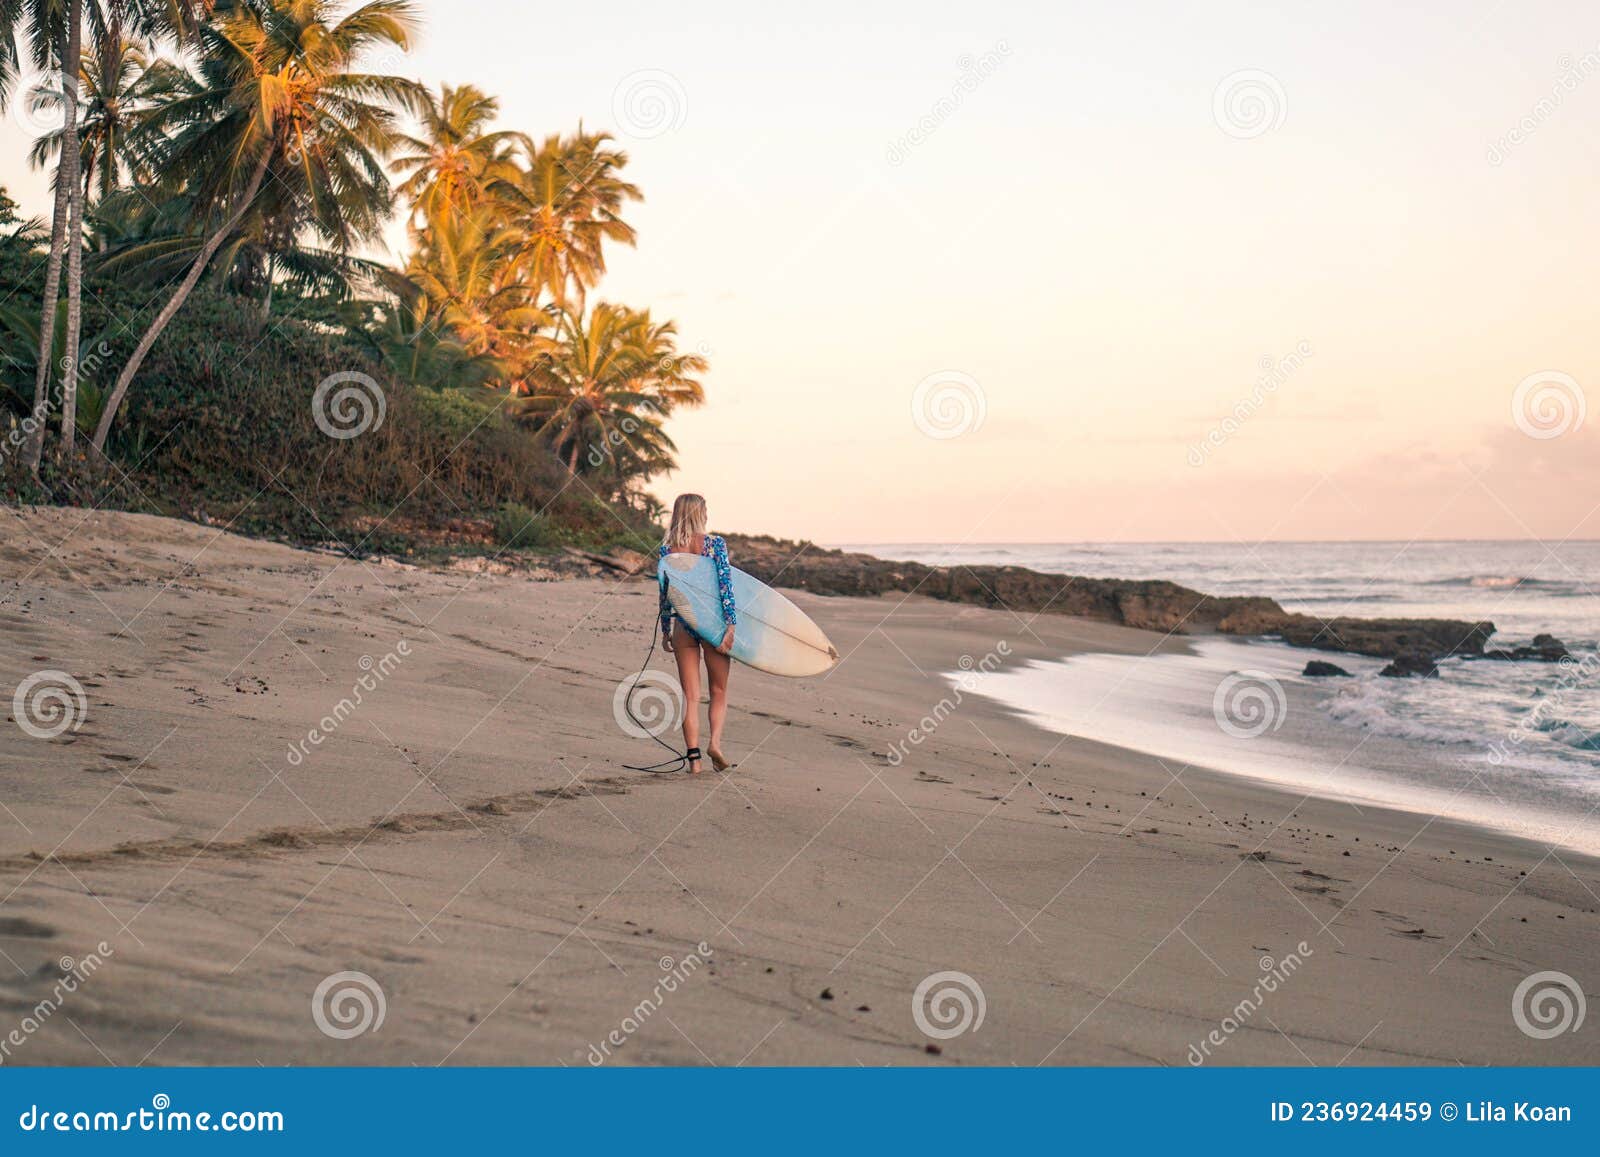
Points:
(1513, 746)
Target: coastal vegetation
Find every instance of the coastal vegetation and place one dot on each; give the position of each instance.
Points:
(204, 324)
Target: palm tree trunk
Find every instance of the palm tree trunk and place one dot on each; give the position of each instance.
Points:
(34, 450)
(168, 311)
(266, 301)
(74, 240)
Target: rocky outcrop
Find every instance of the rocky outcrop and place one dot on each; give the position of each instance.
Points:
(1149, 604)
(1380, 638)
(1411, 665)
(1317, 669)
(1544, 649)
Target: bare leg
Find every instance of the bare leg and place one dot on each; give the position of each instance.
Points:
(717, 668)
(686, 649)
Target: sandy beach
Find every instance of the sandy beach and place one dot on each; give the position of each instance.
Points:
(467, 837)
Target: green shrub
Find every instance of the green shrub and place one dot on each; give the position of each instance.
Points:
(520, 528)
(220, 419)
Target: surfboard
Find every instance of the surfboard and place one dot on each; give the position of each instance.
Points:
(772, 634)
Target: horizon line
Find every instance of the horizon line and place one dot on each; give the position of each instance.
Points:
(1217, 542)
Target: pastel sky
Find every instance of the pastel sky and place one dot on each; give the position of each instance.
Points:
(1099, 221)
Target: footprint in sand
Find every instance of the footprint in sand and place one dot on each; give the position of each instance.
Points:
(778, 719)
(22, 926)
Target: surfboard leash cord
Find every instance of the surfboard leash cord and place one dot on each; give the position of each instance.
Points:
(680, 760)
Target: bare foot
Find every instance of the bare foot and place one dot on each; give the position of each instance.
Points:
(718, 760)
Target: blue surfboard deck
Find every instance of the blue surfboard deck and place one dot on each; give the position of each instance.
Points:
(771, 633)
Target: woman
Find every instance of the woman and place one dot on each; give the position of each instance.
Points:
(686, 534)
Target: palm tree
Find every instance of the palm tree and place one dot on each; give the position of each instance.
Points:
(278, 92)
(600, 397)
(449, 167)
(399, 334)
(119, 83)
(71, 55)
(465, 273)
(23, 328)
(54, 30)
(568, 204)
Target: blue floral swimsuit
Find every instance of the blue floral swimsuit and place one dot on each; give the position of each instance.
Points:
(714, 548)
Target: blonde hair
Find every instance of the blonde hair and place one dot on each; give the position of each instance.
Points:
(688, 521)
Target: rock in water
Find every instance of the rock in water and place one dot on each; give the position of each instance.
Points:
(1545, 649)
(1413, 664)
(1317, 669)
